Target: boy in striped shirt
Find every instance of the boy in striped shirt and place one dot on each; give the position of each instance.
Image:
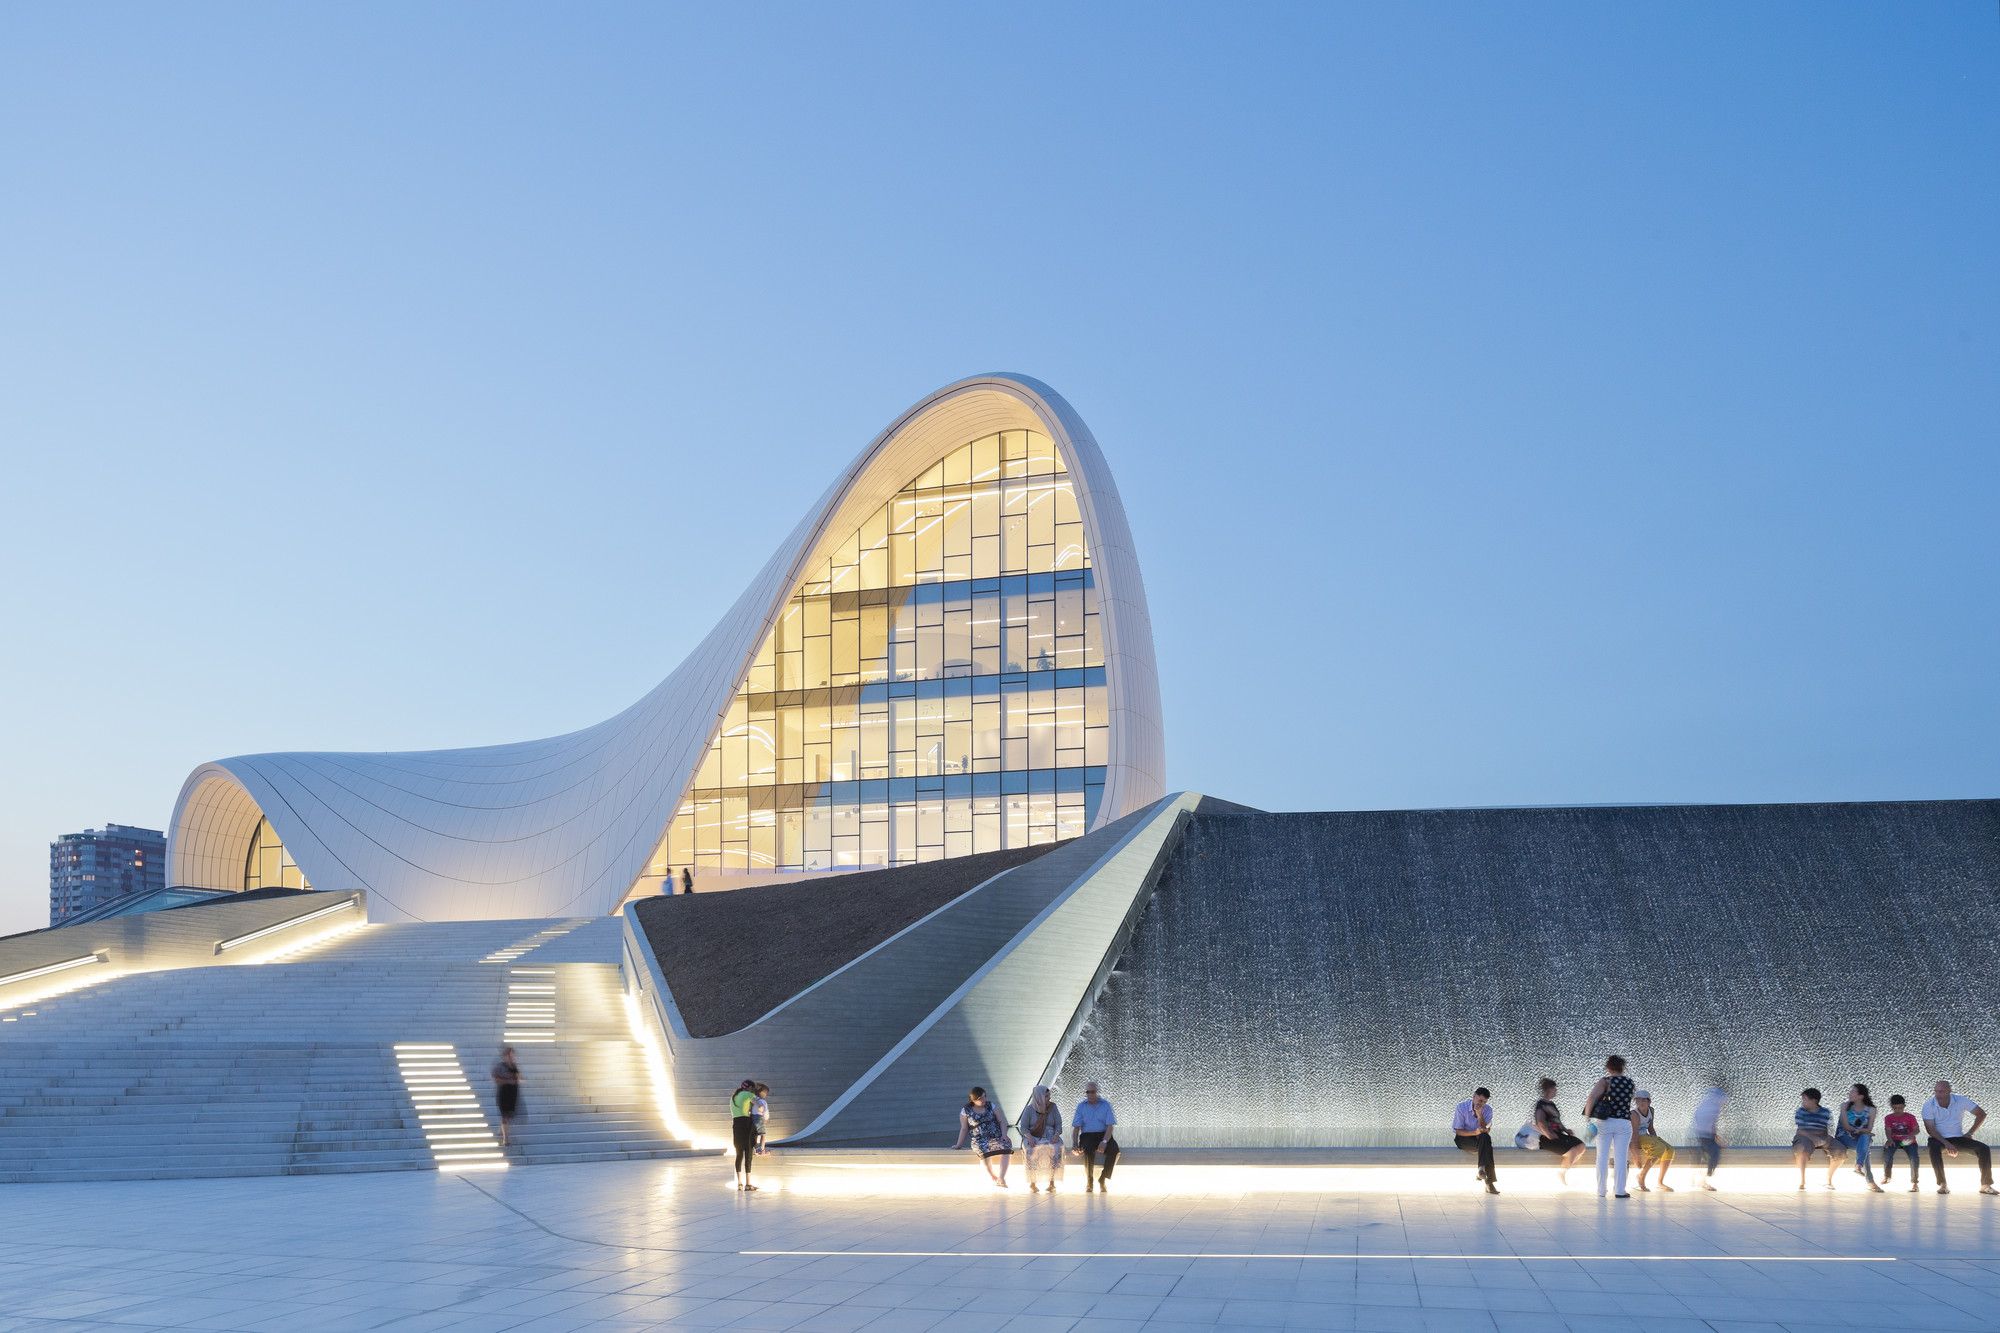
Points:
(1812, 1132)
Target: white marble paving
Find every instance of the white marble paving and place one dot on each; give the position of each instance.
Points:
(669, 1244)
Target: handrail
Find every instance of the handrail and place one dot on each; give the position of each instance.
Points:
(223, 946)
(101, 956)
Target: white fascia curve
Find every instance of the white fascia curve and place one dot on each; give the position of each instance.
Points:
(566, 825)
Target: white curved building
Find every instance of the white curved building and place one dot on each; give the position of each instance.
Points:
(950, 653)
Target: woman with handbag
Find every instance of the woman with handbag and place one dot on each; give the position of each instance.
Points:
(1041, 1127)
(1609, 1107)
(981, 1118)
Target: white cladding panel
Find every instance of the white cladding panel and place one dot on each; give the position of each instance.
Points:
(565, 825)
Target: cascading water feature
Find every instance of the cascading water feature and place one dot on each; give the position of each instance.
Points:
(1345, 979)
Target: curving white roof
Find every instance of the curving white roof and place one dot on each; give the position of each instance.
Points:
(565, 825)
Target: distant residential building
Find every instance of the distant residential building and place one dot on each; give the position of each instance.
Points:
(101, 865)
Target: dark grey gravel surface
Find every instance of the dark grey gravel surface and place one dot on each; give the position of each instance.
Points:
(731, 957)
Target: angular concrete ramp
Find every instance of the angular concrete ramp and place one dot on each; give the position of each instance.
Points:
(985, 989)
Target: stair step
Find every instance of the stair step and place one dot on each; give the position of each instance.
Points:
(318, 1064)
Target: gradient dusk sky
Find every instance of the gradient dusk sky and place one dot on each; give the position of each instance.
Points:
(1513, 404)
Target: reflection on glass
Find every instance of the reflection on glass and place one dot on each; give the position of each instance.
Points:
(269, 865)
(934, 688)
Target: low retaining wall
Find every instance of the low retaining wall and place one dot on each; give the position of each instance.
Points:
(207, 935)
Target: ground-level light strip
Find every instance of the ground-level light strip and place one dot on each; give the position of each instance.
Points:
(1532, 1178)
(1331, 1258)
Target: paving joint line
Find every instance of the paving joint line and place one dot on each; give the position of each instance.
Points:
(583, 1240)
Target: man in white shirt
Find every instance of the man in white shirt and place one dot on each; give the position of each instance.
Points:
(1944, 1120)
(1092, 1127)
(1472, 1131)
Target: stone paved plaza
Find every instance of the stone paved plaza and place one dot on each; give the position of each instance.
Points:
(854, 1241)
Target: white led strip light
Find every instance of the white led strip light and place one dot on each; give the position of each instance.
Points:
(453, 1122)
(224, 946)
(534, 941)
(531, 1005)
(52, 968)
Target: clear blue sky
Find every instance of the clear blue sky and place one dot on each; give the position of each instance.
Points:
(1513, 404)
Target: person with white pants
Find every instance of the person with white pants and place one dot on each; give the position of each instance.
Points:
(1609, 1105)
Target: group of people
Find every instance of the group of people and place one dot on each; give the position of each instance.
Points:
(1622, 1120)
(1621, 1115)
(1092, 1129)
(1949, 1120)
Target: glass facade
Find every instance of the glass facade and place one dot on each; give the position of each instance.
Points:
(269, 865)
(934, 688)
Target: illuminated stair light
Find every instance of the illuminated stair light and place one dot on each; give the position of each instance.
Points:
(530, 1019)
(453, 1123)
(534, 941)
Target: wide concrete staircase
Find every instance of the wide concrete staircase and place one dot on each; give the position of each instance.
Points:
(367, 1052)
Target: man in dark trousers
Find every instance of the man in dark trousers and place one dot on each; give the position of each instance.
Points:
(1944, 1120)
(1472, 1131)
(1092, 1127)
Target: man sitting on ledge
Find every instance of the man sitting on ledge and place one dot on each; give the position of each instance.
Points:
(1472, 1131)
(1944, 1121)
(1092, 1127)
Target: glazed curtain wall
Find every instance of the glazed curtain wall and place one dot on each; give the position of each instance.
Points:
(269, 865)
(935, 688)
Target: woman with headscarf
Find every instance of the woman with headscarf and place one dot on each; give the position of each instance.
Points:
(1041, 1129)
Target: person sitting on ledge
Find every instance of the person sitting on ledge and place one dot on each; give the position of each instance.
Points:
(1649, 1147)
(1041, 1129)
(1944, 1121)
(1472, 1131)
(1899, 1134)
(1813, 1133)
(1091, 1128)
(1552, 1135)
(982, 1119)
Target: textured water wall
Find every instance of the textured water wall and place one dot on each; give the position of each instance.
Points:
(1344, 979)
